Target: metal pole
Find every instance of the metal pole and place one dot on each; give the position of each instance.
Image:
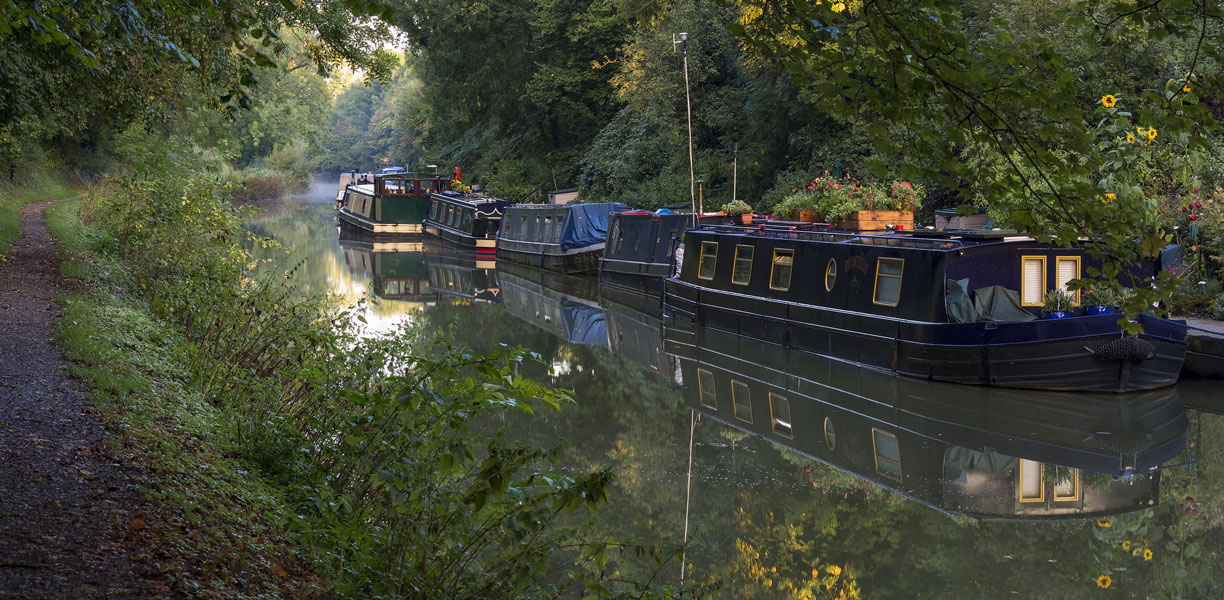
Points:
(688, 109)
(734, 168)
(701, 196)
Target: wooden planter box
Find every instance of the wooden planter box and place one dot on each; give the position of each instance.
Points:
(878, 220)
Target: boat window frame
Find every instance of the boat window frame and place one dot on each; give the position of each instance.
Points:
(701, 258)
(1044, 275)
(773, 268)
(735, 263)
(1075, 484)
(875, 451)
(1058, 260)
(775, 422)
(1041, 484)
(875, 289)
(701, 391)
(735, 404)
(831, 275)
(830, 433)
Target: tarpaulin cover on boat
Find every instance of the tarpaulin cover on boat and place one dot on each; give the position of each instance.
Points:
(587, 224)
(997, 303)
(584, 324)
(960, 307)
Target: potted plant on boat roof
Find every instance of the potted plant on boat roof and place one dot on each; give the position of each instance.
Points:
(1100, 300)
(851, 204)
(1056, 304)
(738, 208)
(797, 206)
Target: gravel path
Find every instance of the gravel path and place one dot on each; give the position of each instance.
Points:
(71, 521)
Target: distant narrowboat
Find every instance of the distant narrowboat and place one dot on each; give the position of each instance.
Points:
(960, 308)
(565, 238)
(389, 203)
(990, 453)
(470, 221)
(639, 252)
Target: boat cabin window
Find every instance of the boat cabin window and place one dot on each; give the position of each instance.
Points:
(709, 256)
(742, 273)
(1030, 484)
(1067, 268)
(522, 230)
(466, 222)
(1032, 280)
(780, 272)
(888, 281)
(779, 415)
(548, 229)
(450, 215)
(1066, 484)
(830, 433)
(741, 401)
(887, 454)
(830, 274)
(705, 388)
(637, 241)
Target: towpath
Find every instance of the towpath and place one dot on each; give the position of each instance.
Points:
(71, 521)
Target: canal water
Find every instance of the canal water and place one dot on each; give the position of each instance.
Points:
(785, 472)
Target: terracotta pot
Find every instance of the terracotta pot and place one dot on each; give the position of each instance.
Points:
(807, 215)
(746, 218)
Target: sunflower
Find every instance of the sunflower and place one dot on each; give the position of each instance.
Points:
(1147, 554)
(1186, 88)
(1130, 137)
(1108, 101)
(1104, 522)
(1151, 133)
(1106, 199)
(839, 7)
(1136, 551)
(1126, 545)
(1103, 581)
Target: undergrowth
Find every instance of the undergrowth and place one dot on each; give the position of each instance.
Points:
(287, 444)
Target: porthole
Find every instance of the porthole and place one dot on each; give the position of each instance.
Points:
(829, 433)
(830, 274)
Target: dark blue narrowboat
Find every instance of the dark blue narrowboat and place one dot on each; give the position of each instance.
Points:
(638, 255)
(990, 453)
(388, 203)
(956, 307)
(565, 238)
(470, 221)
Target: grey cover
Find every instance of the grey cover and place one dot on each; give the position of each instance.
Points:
(960, 307)
(997, 303)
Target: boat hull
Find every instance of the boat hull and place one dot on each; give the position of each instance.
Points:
(1066, 355)
(551, 257)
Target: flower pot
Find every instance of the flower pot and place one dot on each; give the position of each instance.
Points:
(807, 215)
(746, 218)
(1098, 309)
(878, 220)
(1058, 314)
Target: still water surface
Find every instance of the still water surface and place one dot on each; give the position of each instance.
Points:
(788, 472)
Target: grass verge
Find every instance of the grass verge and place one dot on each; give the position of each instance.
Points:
(217, 530)
(15, 198)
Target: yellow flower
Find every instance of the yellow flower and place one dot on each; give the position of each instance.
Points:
(1104, 522)
(1108, 101)
(1130, 137)
(1186, 88)
(1147, 554)
(1103, 581)
(1136, 551)
(839, 7)
(1126, 545)
(1139, 130)
(1151, 133)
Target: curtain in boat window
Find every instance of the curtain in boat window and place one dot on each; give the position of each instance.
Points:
(1032, 283)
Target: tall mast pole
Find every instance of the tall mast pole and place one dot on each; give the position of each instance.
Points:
(688, 109)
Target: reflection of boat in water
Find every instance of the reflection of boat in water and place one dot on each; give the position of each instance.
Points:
(564, 305)
(635, 329)
(460, 274)
(985, 452)
(396, 269)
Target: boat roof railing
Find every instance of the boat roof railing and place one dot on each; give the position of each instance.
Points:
(817, 232)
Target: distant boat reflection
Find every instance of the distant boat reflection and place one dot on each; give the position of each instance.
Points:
(565, 305)
(984, 452)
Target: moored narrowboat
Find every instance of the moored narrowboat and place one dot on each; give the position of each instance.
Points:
(470, 221)
(990, 453)
(640, 247)
(389, 203)
(566, 238)
(960, 308)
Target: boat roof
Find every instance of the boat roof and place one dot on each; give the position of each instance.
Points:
(475, 199)
(946, 240)
(407, 175)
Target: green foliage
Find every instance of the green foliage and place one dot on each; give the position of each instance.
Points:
(736, 208)
(14, 198)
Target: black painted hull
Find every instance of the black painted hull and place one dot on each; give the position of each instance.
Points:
(550, 257)
(1060, 355)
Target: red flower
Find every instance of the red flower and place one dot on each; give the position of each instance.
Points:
(1193, 217)
(837, 186)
